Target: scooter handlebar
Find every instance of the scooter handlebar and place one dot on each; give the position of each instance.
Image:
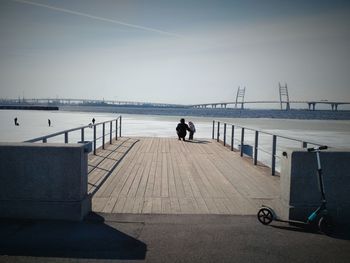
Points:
(324, 147)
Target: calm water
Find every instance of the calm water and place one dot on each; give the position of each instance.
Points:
(35, 124)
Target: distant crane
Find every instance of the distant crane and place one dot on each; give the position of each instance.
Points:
(240, 97)
(284, 97)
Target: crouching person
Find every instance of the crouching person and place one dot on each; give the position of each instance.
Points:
(181, 129)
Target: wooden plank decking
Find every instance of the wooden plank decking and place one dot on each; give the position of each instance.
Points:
(165, 175)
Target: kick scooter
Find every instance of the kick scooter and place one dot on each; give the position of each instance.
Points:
(320, 217)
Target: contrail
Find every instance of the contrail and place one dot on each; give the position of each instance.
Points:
(97, 18)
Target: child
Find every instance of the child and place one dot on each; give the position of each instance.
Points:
(192, 129)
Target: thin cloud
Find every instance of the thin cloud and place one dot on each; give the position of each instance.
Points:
(68, 11)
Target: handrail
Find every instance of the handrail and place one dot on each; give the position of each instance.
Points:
(255, 147)
(269, 133)
(104, 134)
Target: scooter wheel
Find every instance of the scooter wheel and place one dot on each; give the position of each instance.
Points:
(325, 224)
(265, 216)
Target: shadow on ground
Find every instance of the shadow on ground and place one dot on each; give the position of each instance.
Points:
(91, 239)
(109, 172)
(338, 232)
(198, 141)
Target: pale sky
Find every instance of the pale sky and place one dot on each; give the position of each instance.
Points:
(170, 51)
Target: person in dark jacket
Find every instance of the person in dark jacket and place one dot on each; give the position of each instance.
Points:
(181, 129)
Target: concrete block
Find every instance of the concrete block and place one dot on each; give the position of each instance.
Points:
(41, 180)
(300, 193)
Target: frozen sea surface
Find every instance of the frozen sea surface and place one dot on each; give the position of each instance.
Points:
(335, 133)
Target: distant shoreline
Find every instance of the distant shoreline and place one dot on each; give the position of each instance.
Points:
(219, 112)
(298, 114)
(27, 107)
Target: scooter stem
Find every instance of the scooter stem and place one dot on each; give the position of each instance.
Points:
(320, 178)
(318, 160)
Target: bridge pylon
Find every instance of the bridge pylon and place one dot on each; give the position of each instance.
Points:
(284, 97)
(240, 97)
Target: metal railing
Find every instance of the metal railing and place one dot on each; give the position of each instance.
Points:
(270, 149)
(117, 123)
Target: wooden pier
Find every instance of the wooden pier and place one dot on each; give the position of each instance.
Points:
(168, 176)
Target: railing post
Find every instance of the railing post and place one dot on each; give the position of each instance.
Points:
(213, 130)
(116, 129)
(224, 134)
(103, 135)
(120, 126)
(66, 137)
(242, 141)
(44, 140)
(256, 147)
(110, 133)
(82, 135)
(232, 137)
(94, 139)
(273, 163)
(304, 144)
(218, 133)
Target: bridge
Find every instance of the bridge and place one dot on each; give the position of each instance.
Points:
(311, 104)
(83, 102)
(283, 101)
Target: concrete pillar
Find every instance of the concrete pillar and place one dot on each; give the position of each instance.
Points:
(300, 194)
(43, 181)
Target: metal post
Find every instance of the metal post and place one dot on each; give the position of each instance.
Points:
(66, 137)
(273, 164)
(218, 132)
(116, 129)
(212, 136)
(94, 139)
(103, 135)
(256, 147)
(224, 134)
(44, 140)
(242, 141)
(110, 133)
(304, 144)
(120, 126)
(82, 135)
(232, 136)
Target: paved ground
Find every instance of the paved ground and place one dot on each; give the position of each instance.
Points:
(167, 238)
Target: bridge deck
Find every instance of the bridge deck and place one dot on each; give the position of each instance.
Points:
(164, 175)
